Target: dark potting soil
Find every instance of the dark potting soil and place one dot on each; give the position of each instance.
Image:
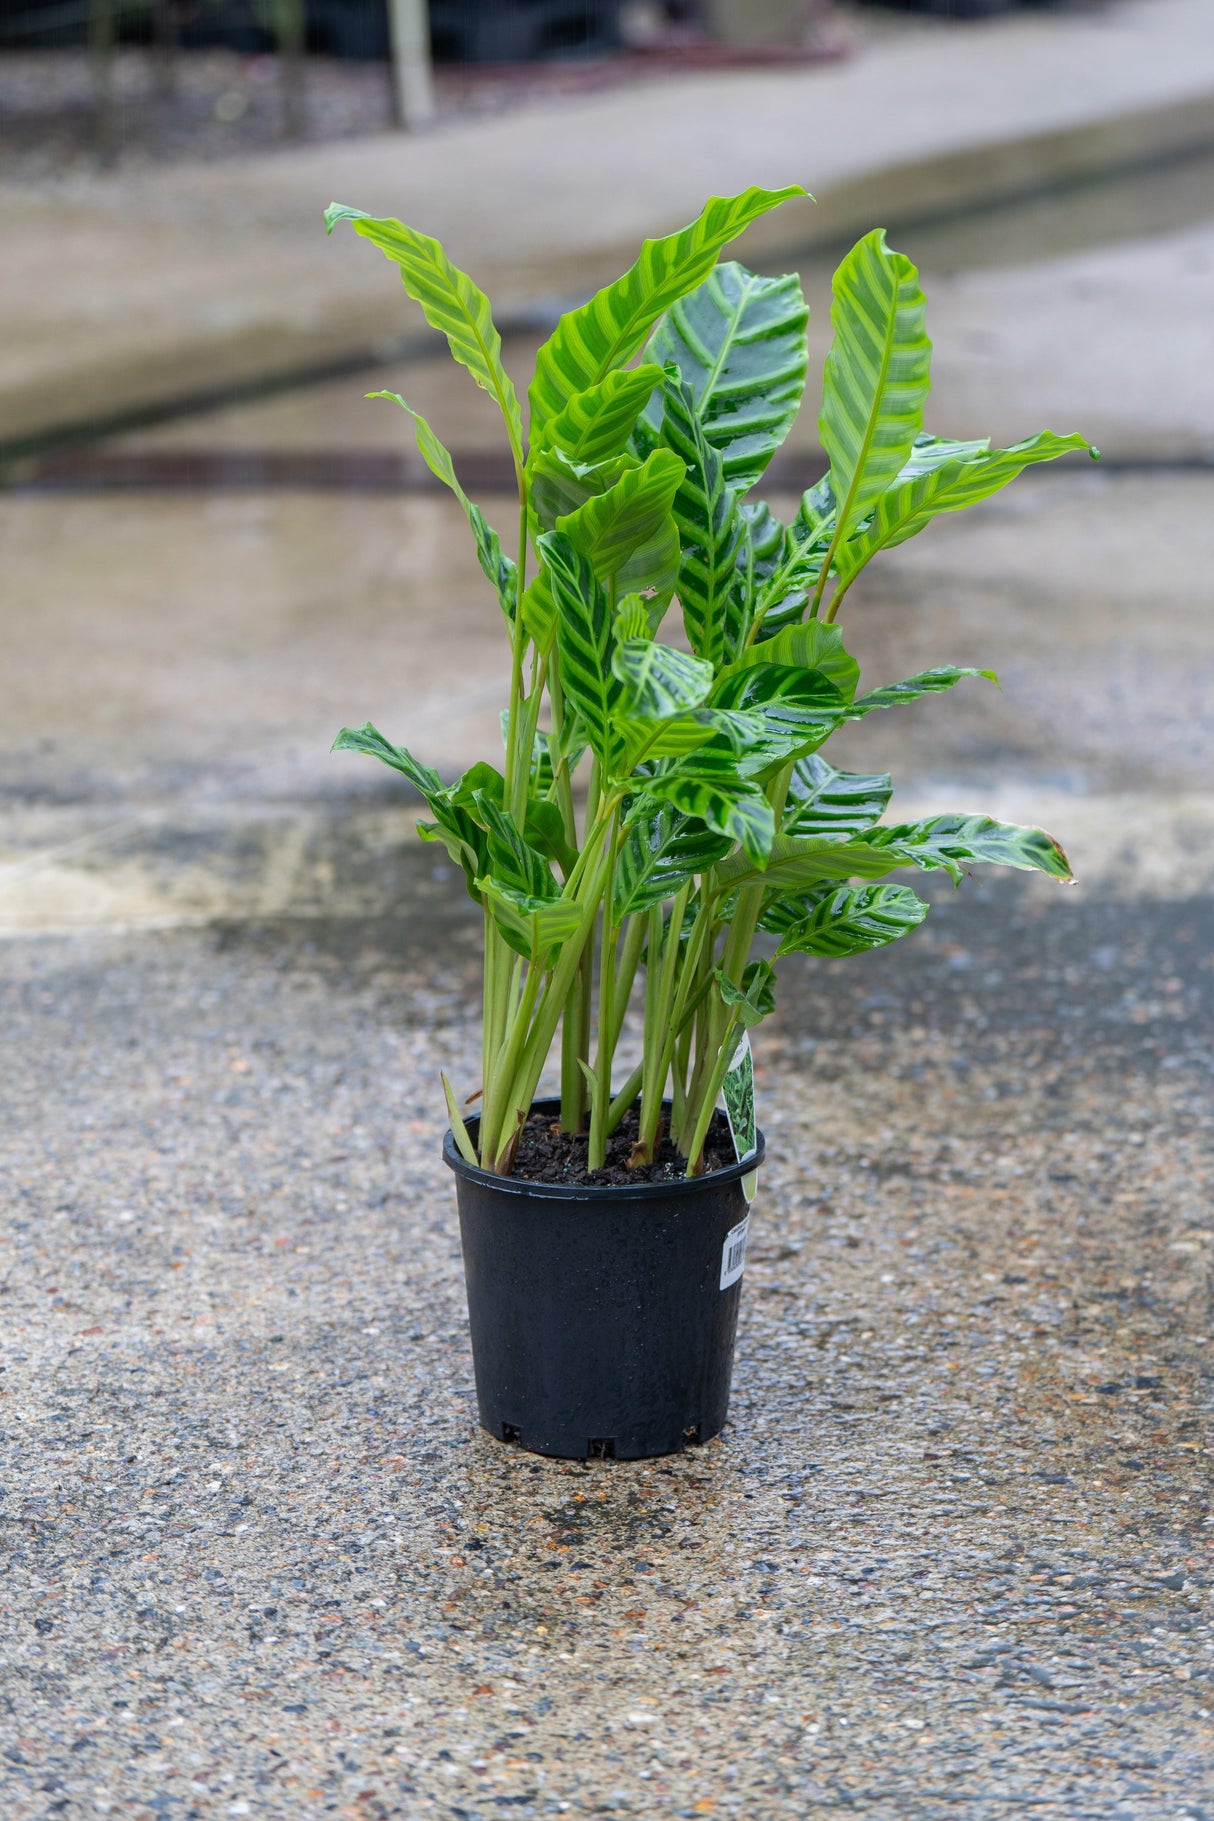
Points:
(547, 1154)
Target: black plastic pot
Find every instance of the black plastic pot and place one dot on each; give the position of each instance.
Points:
(603, 1320)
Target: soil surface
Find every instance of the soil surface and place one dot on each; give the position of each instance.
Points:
(547, 1154)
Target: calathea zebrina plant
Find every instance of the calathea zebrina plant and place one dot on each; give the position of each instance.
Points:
(662, 804)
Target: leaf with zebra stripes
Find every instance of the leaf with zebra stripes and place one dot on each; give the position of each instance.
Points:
(919, 493)
(738, 341)
(844, 920)
(632, 517)
(585, 640)
(534, 927)
(450, 302)
(927, 683)
(798, 710)
(937, 844)
(710, 533)
(453, 825)
(824, 801)
(707, 785)
(813, 646)
(877, 377)
(591, 342)
(949, 843)
(599, 422)
(499, 569)
(659, 682)
(662, 850)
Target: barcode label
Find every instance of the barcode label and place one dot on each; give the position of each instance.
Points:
(733, 1253)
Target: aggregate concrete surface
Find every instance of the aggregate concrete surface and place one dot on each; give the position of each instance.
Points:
(951, 1556)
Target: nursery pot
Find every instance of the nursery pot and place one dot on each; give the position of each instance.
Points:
(602, 1320)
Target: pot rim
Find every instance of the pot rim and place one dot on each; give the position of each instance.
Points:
(560, 1191)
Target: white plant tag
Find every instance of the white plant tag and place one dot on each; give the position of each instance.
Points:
(733, 1253)
(739, 1094)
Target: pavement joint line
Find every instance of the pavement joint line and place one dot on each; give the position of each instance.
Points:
(99, 837)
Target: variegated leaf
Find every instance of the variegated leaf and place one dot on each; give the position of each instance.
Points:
(612, 527)
(709, 532)
(498, 568)
(659, 682)
(591, 342)
(823, 801)
(585, 641)
(918, 495)
(599, 422)
(844, 921)
(738, 341)
(927, 683)
(662, 850)
(450, 302)
(877, 376)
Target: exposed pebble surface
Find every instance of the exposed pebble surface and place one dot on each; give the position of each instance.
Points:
(950, 1559)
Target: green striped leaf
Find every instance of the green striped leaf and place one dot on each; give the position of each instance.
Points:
(368, 739)
(798, 709)
(559, 485)
(591, 342)
(738, 341)
(662, 850)
(710, 534)
(539, 611)
(812, 646)
(794, 861)
(707, 785)
(918, 495)
(755, 999)
(498, 568)
(782, 597)
(535, 928)
(450, 302)
(950, 843)
(823, 801)
(658, 682)
(846, 921)
(937, 844)
(453, 825)
(878, 372)
(585, 641)
(599, 422)
(513, 859)
(632, 516)
(927, 683)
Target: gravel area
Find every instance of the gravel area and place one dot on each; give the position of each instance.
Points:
(950, 1558)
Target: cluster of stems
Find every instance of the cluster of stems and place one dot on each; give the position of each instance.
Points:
(689, 1033)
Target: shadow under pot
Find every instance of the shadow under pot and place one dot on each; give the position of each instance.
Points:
(602, 1319)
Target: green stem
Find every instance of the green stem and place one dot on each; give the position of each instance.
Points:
(626, 973)
(556, 993)
(605, 1054)
(716, 1079)
(495, 1139)
(624, 1099)
(575, 1047)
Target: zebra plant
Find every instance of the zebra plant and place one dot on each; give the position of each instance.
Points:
(661, 806)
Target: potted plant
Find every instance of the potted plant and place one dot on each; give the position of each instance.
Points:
(663, 806)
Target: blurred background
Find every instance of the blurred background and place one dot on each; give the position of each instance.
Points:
(217, 552)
